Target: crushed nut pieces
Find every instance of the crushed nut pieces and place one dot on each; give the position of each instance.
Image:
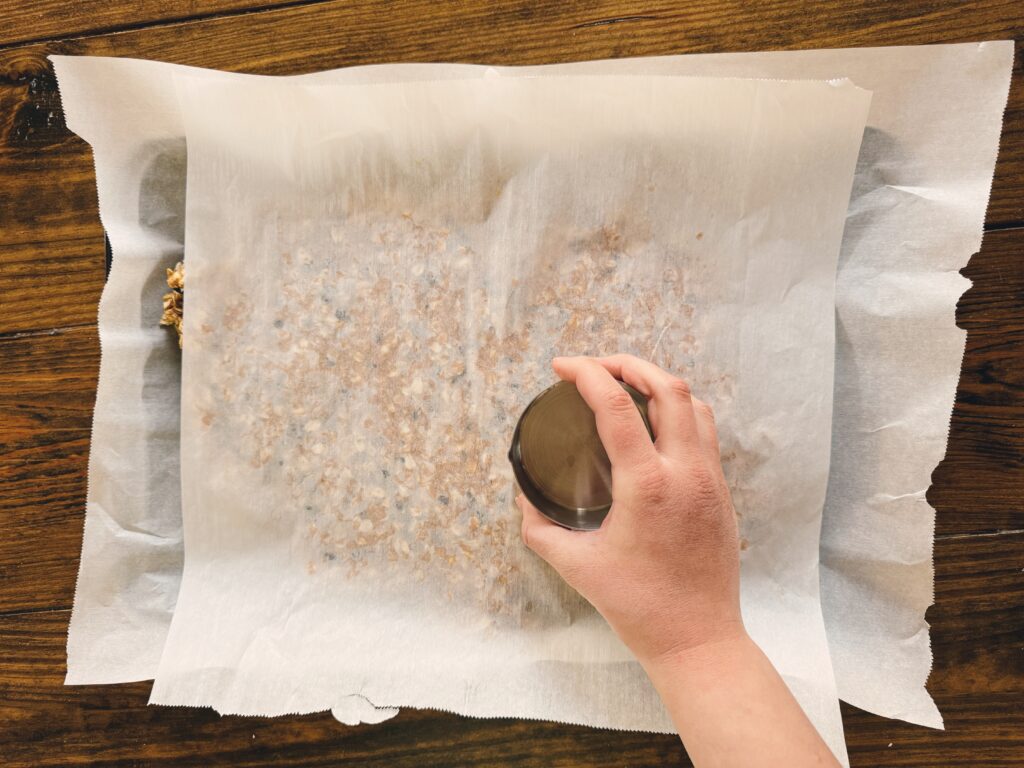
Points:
(174, 300)
(374, 389)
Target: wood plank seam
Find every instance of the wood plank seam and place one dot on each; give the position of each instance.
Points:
(998, 226)
(168, 22)
(979, 535)
(613, 20)
(9, 335)
(23, 611)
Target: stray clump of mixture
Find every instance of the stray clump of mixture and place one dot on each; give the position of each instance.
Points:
(377, 385)
(174, 300)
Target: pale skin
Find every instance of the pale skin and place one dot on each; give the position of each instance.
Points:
(663, 570)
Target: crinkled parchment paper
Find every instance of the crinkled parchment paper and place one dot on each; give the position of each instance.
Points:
(919, 198)
(378, 277)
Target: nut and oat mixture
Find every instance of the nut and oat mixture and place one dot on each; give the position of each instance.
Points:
(379, 380)
(174, 300)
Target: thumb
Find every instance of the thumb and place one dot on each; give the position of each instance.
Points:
(555, 544)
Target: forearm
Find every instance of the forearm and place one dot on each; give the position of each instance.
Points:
(733, 709)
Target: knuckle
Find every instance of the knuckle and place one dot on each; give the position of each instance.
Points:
(679, 389)
(704, 483)
(706, 411)
(618, 402)
(632, 366)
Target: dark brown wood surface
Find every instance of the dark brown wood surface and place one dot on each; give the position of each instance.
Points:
(51, 274)
(24, 22)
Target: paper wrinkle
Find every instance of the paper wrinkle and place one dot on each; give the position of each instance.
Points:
(122, 106)
(883, 427)
(127, 531)
(923, 192)
(893, 560)
(881, 499)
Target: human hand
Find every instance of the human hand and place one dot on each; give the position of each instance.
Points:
(663, 569)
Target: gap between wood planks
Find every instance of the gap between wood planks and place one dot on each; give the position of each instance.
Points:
(9, 335)
(999, 226)
(26, 611)
(976, 535)
(613, 20)
(168, 22)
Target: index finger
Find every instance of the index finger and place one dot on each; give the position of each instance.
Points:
(619, 423)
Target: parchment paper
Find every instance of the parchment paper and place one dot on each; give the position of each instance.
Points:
(919, 197)
(377, 279)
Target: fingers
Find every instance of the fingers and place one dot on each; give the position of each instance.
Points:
(619, 423)
(670, 406)
(553, 543)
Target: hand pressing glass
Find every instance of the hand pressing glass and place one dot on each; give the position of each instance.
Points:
(663, 570)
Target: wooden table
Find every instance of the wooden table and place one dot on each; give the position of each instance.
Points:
(51, 274)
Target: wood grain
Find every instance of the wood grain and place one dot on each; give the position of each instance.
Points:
(46, 19)
(47, 389)
(977, 626)
(49, 191)
(979, 485)
(51, 284)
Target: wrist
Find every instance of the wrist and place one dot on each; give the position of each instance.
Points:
(719, 653)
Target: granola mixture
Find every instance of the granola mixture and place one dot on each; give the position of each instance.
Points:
(174, 300)
(379, 377)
